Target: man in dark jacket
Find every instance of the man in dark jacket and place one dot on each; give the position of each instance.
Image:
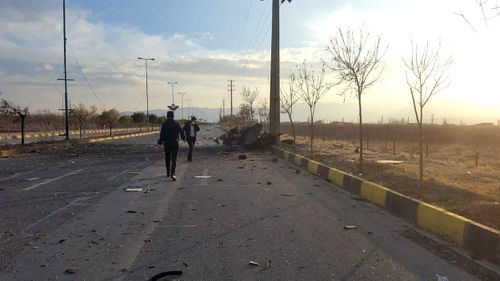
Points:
(191, 128)
(169, 137)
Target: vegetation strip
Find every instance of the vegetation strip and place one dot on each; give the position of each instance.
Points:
(481, 241)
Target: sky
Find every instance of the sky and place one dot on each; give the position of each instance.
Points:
(201, 44)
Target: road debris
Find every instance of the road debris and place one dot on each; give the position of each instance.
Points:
(202, 177)
(33, 179)
(441, 278)
(254, 263)
(269, 183)
(242, 156)
(287, 194)
(348, 227)
(134, 189)
(135, 173)
(161, 275)
(61, 241)
(71, 271)
(131, 212)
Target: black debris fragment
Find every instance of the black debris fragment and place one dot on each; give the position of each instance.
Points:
(159, 276)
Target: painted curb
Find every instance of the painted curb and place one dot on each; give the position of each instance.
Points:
(480, 240)
(13, 152)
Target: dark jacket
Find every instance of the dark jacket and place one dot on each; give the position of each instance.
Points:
(187, 129)
(170, 131)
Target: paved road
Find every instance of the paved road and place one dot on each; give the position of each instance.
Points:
(68, 211)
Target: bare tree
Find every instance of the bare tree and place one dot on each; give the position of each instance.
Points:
(263, 111)
(357, 61)
(426, 77)
(288, 99)
(488, 9)
(9, 109)
(249, 97)
(311, 87)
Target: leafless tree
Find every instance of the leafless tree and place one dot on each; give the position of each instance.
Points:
(356, 59)
(289, 97)
(9, 109)
(249, 97)
(311, 88)
(488, 9)
(263, 111)
(426, 77)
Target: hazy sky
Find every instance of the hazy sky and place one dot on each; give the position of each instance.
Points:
(203, 43)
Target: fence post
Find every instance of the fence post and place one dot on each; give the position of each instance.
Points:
(394, 147)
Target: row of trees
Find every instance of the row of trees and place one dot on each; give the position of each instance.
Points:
(81, 117)
(356, 61)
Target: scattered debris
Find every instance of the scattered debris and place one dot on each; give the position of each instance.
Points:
(61, 241)
(338, 145)
(242, 156)
(219, 180)
(249, 137)
(350, 227)
(254, 263)
(134, 189)
(241, 167)
(151, 267)
(359, 199)
(202, 177)
(441, 278)
(286, 194)
(131, 212)
(269, 183)
(185, 264)
(160, 276)
(390, 161)
(148, 241)
(71, 271)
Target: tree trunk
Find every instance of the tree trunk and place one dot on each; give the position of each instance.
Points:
(110, 131)
(293, 126)
(360, 135)
(312, 134)
(421, 144)
(81, 128)
(22, 129)
(140, 127)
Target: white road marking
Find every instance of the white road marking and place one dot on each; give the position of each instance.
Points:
(204, 180)
(122, 172)
(22, 232)
(52, 180)
(18, 174)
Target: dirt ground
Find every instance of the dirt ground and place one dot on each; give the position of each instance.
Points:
(451, 179)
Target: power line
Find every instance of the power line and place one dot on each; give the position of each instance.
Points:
(85, 77)
(245, 24)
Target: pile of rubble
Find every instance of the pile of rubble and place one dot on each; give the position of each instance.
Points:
(249, 137)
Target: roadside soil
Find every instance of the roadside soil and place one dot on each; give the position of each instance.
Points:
(451, 179)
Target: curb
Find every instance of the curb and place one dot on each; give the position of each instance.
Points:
(13, 152)
(34, 135)
(121, 137)
(480, 240)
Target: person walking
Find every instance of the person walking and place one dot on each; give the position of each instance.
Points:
(169, 137)
(191, 128)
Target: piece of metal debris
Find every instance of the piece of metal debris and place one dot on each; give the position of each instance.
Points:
(350, 227)
(254, 263)
(160, 276)
(71, 271)
(242, 156)
(134, 189)
(202, 177)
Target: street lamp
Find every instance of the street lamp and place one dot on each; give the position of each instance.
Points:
(147, 95)
(182, 102)
(173, 83)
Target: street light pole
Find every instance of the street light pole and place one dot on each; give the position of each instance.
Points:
(182, 102)
(147, 94)
(66, 111)
(173, 83)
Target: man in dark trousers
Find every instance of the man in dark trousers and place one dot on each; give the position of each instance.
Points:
(191, 128)
(169, 137)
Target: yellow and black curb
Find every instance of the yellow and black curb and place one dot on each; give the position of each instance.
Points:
(20, 149)
(34, 135)
(119, 137)
(482, 241)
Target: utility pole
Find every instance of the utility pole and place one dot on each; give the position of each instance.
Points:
(274, 100)
(147, 95)
(182, 102)
(66, 111)
(231, 88)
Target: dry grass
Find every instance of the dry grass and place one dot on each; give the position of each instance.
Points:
(452, 180)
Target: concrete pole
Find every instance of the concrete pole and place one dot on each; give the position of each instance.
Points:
(66, 110)
(274, 103)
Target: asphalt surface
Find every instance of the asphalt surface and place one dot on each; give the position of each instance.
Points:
(66, 216)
